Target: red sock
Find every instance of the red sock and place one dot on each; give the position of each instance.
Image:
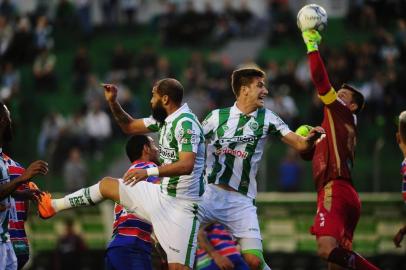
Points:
(350, 260)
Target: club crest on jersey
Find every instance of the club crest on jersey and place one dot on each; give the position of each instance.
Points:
(225, 128)
(169, 137)
(253, 125)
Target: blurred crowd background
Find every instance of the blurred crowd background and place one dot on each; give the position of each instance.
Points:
(55, 54)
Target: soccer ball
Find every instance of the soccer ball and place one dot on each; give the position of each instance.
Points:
(312, 17)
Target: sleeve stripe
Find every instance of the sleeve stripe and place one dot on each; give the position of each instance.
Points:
(329, 97)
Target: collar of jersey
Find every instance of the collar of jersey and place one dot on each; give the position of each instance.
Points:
(182, 109)
(141, 161)
(235, 111)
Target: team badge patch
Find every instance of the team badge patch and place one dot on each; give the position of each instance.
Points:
(253, 125)
(169, 137)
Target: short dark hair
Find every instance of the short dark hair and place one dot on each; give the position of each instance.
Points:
(172, 88)
(402, 126)
(357, 96)
(135, 145)
(243, 77)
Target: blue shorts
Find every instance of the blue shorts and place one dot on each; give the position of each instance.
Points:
(123, 258)
(239, 264)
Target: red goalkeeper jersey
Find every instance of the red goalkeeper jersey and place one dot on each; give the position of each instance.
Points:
(334, 155)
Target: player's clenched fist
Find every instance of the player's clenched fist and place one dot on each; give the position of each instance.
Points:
(36, 168)
(110, 92)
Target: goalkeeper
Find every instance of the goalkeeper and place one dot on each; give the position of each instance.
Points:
(338, 204)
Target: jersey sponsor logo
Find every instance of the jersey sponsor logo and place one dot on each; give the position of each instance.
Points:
(236, 153)
(238, 139)
(167, 153)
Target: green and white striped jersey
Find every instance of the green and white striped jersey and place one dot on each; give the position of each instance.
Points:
(6, 202)
(236, 144)
(181, 132)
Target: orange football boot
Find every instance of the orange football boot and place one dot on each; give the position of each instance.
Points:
(32, 185)
(45, 209)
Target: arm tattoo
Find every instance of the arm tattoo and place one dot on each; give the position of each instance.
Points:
(119, 114)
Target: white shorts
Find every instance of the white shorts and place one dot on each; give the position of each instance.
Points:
(232, 209)
(174, 221)
(8, 259)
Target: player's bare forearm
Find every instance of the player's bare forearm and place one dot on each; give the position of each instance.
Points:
(184, 166)
(303, 144)
(128, 124)
(122, 118)
(180, 167)
(9, 188)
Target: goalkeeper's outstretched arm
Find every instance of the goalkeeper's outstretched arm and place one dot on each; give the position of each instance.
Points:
(318, 72)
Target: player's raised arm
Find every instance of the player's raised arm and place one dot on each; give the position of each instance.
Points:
(128, 124)
(318, 72)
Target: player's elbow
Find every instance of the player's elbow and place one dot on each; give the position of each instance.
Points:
(188, 169)
(302, 146)
(127, 130)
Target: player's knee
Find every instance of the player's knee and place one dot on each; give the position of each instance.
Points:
(108, 187)
(324, 248)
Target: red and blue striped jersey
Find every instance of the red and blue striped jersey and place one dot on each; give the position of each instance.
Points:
(221, 240)
(128, 229)
(403, 172)
(19, 208)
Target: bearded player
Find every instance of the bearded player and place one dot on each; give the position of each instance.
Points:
(172, 207)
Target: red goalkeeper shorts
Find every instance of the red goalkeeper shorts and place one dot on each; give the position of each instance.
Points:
(338, 212)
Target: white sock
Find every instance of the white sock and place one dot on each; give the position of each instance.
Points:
(82, 197)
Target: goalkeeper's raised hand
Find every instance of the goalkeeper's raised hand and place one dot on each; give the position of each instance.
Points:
(312, 39)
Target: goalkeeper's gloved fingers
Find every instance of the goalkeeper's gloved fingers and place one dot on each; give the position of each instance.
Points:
(311, 38)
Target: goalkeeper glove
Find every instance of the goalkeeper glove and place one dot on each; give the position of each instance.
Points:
(312, 39)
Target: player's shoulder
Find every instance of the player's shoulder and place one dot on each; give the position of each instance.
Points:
(269, 114)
